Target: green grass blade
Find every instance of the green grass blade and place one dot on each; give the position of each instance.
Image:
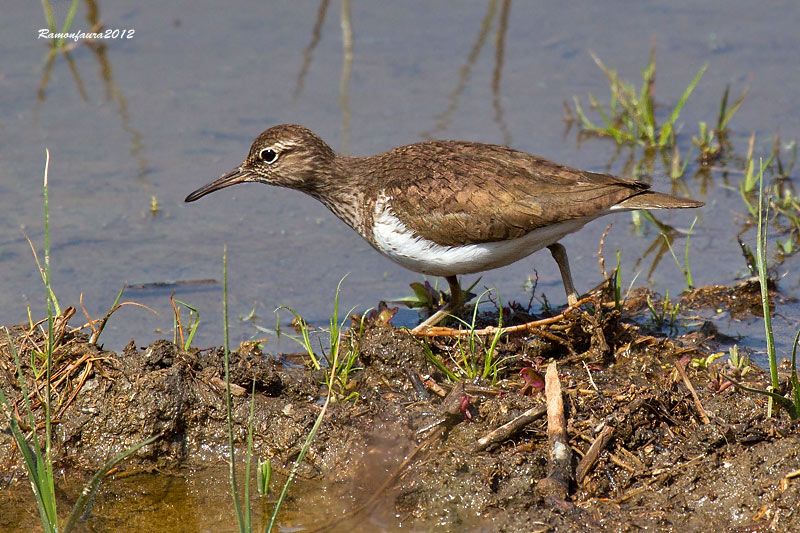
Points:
(784, 402)
(193, 324)
(49, 15)
(34, 460)
(688, 269)
(28, 457)
(305, 342)
(228, 400)
(666, 132)
(725, 116)
(723, 105)
(312, 434)
(795, 382)
(489, 363)
(585, 121)
(52, 300)
(45, 470)
(597, 107)
(263, 476)
(761, 263)
(70, 15)
(247, 517)
(298, 462)
(68, 22)
(91, 487)
(437, 362)
(646, 97)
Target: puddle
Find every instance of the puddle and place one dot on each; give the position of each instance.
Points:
(194, 500)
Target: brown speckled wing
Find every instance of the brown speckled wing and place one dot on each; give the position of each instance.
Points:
(460, 193)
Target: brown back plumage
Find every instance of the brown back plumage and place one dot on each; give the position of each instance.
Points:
(460, 192)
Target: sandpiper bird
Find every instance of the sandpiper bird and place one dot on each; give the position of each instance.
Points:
(445, 208)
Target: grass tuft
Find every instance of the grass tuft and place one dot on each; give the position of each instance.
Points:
(177, 324)
(242, 515)
(630, 116)
(712, 142)
(473, 357)
(38, 458)
(343, 346)
(792, 405)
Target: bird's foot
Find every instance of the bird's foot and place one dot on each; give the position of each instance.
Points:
(455, 303)
(434, 319)
(572, 299)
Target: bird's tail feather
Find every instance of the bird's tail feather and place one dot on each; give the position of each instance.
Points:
(657, 200)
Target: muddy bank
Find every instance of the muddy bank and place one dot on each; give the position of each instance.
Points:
(409, 449)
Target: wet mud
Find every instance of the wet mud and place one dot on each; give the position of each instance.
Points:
(675, 445)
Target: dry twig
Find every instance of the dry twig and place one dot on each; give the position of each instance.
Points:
(699, 406)
(593, 453)
(509, 428)
(438, 331)
(556, 484)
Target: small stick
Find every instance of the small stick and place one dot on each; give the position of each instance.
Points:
(697, 404)
(436, 388)
(509, 428)
(556, 484)
(438, 331)
(102, 321)
(593, 453)
(178, 325)
(85, 312)
(591, 380)
(620, 463)
(600, 257)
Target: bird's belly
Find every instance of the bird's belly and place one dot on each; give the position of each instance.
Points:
(397, 242)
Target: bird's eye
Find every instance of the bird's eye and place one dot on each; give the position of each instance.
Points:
(268, 155)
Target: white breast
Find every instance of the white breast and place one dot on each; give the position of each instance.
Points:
(405, 247)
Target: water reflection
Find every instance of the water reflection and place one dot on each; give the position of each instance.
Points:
(344, 82)
(316, 33)
(112, 90)
(347, 61)
(497, 73)
(444, 118)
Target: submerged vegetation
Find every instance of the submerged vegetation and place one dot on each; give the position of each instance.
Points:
(630, 116)
(631, 119)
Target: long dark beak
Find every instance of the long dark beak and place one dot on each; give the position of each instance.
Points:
(233, 177)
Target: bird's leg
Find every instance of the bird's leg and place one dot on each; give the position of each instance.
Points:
(456, 301)
(560, 255)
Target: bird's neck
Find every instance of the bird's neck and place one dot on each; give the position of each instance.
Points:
(342, 185)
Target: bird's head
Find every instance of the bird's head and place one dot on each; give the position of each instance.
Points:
(287, 155)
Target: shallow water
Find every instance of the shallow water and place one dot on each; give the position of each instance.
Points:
(196, 500)
(173, 107)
